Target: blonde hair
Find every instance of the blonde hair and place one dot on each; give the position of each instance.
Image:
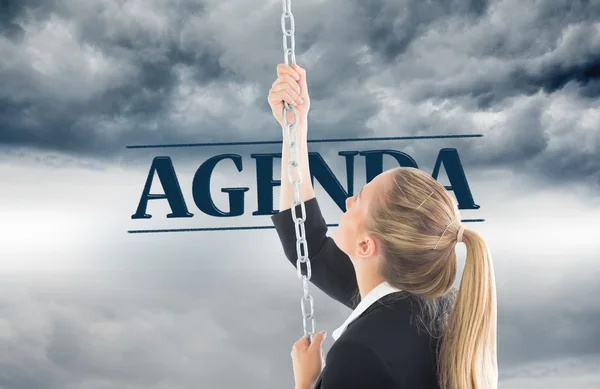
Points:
(414, 215)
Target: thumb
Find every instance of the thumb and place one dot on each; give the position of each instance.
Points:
(318, 339)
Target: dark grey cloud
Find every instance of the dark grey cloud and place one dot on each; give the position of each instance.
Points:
(37, 111)
(556, 75)
(150, 55)
(546, 139)
(388, 28)
(11, 11)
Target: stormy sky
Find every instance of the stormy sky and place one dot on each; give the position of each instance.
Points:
(87, 305)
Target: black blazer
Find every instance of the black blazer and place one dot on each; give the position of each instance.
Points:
(381, 349)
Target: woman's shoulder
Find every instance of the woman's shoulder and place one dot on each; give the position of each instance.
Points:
(402, 318)
(391, 315)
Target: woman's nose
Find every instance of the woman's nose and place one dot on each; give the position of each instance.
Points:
(348, 202)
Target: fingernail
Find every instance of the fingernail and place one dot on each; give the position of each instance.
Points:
(297, 77)
(300, 100)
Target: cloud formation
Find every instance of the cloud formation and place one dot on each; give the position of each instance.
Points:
(89, 78)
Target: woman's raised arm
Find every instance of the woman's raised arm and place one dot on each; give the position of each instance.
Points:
(331, 269)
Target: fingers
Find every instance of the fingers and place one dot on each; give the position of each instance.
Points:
(301, 345)
(287, 69)
(287, 79)
(289, 91)
(294, 71)
(276, 97)
(304, 343)
(289, 87)
(317, 340)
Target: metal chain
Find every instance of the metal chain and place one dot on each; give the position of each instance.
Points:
(291, 136)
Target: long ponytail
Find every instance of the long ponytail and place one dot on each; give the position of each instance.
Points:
(467, 358)
(415, 223)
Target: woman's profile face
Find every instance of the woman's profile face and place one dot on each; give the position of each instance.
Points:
(351, 227)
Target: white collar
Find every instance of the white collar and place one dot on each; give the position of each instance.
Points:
(378, 292)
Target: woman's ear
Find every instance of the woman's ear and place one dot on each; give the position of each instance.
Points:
(367, 247)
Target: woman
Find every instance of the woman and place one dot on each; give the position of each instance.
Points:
(392, 261)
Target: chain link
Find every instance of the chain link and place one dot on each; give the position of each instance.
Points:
(291, 137)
